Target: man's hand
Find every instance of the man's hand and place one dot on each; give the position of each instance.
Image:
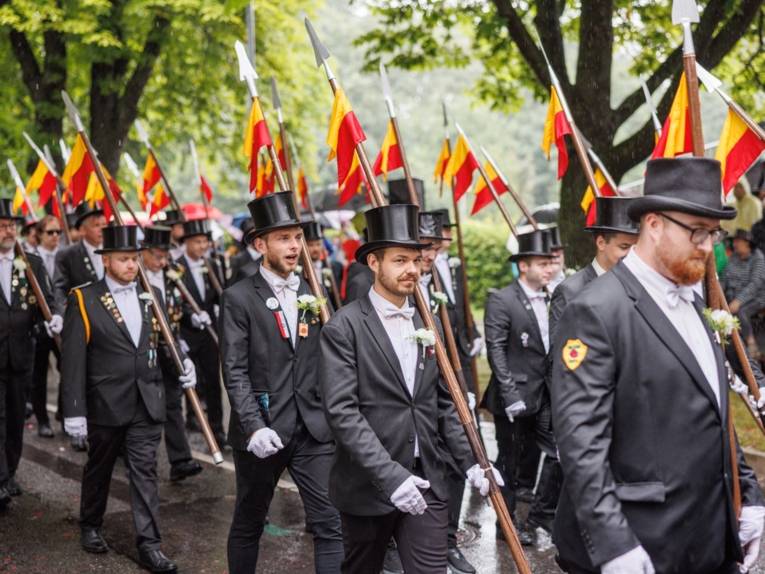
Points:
(54, 326)
(264, 443)
(476, 347)
(636, 561)
(200, 320)
(514, 410)
(476, 477)
(188, 379)
(734, 306)
(408, 498)
(471, 401)
(76, 426)
(750, 527)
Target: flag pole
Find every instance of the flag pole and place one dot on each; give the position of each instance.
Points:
(20, 184)
(517, 198)
(460, 404)
(198, 173)
(144, 137)
(164, 327)
(277, 103)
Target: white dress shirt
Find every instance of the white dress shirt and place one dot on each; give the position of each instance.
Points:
(95, 259)
(197, 268)
(557, 280)
(538, 300)
(49, 259)
(126, 298)
(598, 268)
(682, 316)
(286, 292)
(442, 264)
(399, 325)
(157, 279)
(6, 272)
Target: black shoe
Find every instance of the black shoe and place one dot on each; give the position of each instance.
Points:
(155, 561)
(5, 498)
(92, 541)
(527, 535)
(392, 563)
(221, 439)
(458, 561)
(13, 487)
(79, 443)
(184, 469)
(525, 494)
(44, 430)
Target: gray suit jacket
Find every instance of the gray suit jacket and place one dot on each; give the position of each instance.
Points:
(566, 291)
(643, 443)
(374, 418)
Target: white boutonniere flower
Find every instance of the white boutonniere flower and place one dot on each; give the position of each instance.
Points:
(424, 337)
(174, 274)
(309, 304)
(568, 272)
(145, 296)
(721, 322)
(327, 273)
(439, 298)
(19, 265)
(454, 262)
(298, 269)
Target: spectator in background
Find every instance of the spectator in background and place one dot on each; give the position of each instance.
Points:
(749, 208)
(744, 284)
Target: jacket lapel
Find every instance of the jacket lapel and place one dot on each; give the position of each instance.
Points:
(110, 306)
(530, 311)
(146, 314)
(381, 339)
(722, 374)
(264, 291)
(418, 373)
(188, 279)
(86, 261)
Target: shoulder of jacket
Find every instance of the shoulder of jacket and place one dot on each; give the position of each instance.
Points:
(83, 287)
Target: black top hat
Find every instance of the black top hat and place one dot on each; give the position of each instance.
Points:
(431, 225)
(611, 216)
(71, 219)
(270, 212)
(686, 184)
(534, 243)
(173, 217)
(6, 210)
(445, 219)
(85, 210)
(398, 191)
(195, 227)
(247, 226)
(390, 226)
(312, 230)
(552, 236)
(120, 238)
(157, 237)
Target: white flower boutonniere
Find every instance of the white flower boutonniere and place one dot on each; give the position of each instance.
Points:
(146, 297)
(721, 322)
(298, 269)
(439, 298)
(309, 304)
(19, 265)
(174, 274)
(327, 273)
(424, 337)
(454, 262)
(568, 272)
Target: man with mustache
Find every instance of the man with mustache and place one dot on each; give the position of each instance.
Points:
(640, 401)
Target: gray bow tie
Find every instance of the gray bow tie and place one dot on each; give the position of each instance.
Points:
(129, 288)
(392, 313)
(292, 282)
(674, 294)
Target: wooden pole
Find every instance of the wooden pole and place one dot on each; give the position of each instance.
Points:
(516, 197)
(36, 289)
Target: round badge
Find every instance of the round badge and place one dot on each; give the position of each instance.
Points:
(272, 303)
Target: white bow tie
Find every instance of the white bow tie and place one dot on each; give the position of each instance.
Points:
(292, 282)
(394, 313)
(674, 294)
(129, 288)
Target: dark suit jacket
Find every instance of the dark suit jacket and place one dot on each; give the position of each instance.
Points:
(20, 319)
(269, 383)
(105, 376)
(197, 338)
(374, 418)
(73, 268)
(566, 291)
(360, 279)
(518, 370)
(643, 444)
(243, 265)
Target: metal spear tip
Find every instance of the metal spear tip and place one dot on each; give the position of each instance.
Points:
(142, 134)
(246, 71)
(684, 11)
(711, 83)
(319, 50)
(71, 109)
(275, 99)
(15, 174)
(387, 92)
(443, 109)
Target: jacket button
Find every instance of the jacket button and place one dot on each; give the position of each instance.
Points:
(411, 438)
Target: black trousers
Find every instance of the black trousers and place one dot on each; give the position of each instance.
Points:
(421, 540)
(308, 462)
(204, 353)
(140, 440)
(12, 411)
(44, 346)
(176, 441)
(727, 568)
(456, 483)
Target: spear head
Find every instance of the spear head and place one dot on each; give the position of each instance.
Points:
(65, 151)
(319, 49)
(276, 101)
(71, 109)
(49, 164)
(15, 174)
(649, 101)
(132, 166)
(142, 134)
(685, 12)
(711, 83)
(246, 72)
(387, 92)
(446, 118)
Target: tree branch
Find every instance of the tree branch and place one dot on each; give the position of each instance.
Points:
(593, 71)
(523, 40)
(30, 69)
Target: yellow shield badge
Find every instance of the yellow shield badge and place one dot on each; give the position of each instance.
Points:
(574, 352)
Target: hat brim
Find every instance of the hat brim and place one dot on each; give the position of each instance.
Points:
(525, 254)
(606, 229)
(364, 250)
(17, 218)
(207, 234)
(119, 249)
(642, 205)
(79, 220)
(255, 233)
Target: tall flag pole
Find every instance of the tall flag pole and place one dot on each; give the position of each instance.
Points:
(392, 155)
(164, 327)
(204, 189)
(461, 406)
(606, 188)
(285, 153)
(20, 197)
(143, 135)
(516, 197)
(57, 191)
(136, 173)
(652, 108)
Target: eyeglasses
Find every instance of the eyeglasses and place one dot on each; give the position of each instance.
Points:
(699, 234)
(52, 232)
(7, 226)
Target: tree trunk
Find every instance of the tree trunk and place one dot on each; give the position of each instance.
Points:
(571, 218)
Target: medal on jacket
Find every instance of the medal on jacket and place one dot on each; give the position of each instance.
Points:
(281, 322)
(303, 329)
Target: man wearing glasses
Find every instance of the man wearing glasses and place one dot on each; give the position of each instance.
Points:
(640, 401)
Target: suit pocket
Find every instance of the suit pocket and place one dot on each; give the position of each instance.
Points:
(641, 491)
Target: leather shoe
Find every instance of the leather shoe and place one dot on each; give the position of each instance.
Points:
(527, 536)
(184, 469)
(44, 430)
(392, 563)
(458, 561)
(5, 498)
(92, 541)
(79, 443)
(13, 487)
(156, 561)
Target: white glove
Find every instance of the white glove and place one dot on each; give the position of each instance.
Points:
(739, 387)
(264, 442)
(76, 426)
(184, 346)
(54, 326)
(216, 311)
(476, 347)
(471, 401)
(188, 379)
(477, 478)
(636, 561)
(750, 527)
(200, 320)
(761, 402)
(514, 410)
(408, 498)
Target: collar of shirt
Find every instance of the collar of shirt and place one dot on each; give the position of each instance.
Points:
(7, 256)
(598, 268)
(425, 280)
(384, 307)
(275, 280)
(530, 293)
(91, 251)
(194, 264)
(254, 253)
(116, 287)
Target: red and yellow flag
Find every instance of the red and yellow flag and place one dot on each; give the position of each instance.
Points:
(441, 162)
(19, 203)
(588, 200)
(256, 136)
(676, 137)
(460, 167)
(206, 189)
(42, 181)
(302, 188)
(343, 135)
(556, 127)
(352, 184)
(151, 174)
(159, 200)
(269, 179)
(77, 171)
(483, 196)
(95, 193)
(389, 157)
(738, 149)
